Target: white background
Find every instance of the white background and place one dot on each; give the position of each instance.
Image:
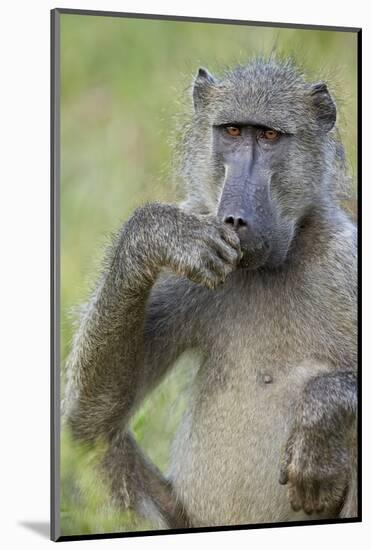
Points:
(24, 250)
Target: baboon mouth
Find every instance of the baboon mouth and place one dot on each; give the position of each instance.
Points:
(253, 259)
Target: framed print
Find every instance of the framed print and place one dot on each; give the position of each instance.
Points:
(205, 178)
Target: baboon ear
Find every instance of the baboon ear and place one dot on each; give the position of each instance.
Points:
(324, 106)
(202, 86)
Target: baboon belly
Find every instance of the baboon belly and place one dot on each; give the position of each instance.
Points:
(227, 452)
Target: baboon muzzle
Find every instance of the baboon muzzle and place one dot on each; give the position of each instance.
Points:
(245, 205)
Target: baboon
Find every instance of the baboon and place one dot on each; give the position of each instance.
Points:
(255, 273)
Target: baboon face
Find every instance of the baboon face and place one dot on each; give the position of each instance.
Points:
(265, 129)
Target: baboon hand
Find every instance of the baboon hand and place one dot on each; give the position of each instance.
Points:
(203, 249)
(316, 468)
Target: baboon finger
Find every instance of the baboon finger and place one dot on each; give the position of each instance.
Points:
(217, 266)
(311, 499)
(319, 506)
(230, 237)
(308, 498)
(226, 252)
(331, 495)
(295, 498)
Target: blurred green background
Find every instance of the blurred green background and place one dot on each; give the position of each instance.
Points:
(123, 81)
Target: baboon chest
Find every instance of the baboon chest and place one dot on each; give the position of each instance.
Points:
(257, 336)
(256, 356)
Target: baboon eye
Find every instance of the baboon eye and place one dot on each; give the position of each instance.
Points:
(270, 135)
(233, 131)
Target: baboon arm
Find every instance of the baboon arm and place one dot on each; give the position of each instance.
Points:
(130, 333)
(123, 348)
(121, 351)
(336, 395)
(320, 458)
(134, 326)
(339, 397)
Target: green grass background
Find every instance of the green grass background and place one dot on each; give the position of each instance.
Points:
(123, 81)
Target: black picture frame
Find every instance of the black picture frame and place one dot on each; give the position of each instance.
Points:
(55, 427)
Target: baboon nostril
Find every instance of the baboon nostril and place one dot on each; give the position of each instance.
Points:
(229, 220)
(236, 222)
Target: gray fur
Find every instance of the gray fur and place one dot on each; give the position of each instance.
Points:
(274, 399)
